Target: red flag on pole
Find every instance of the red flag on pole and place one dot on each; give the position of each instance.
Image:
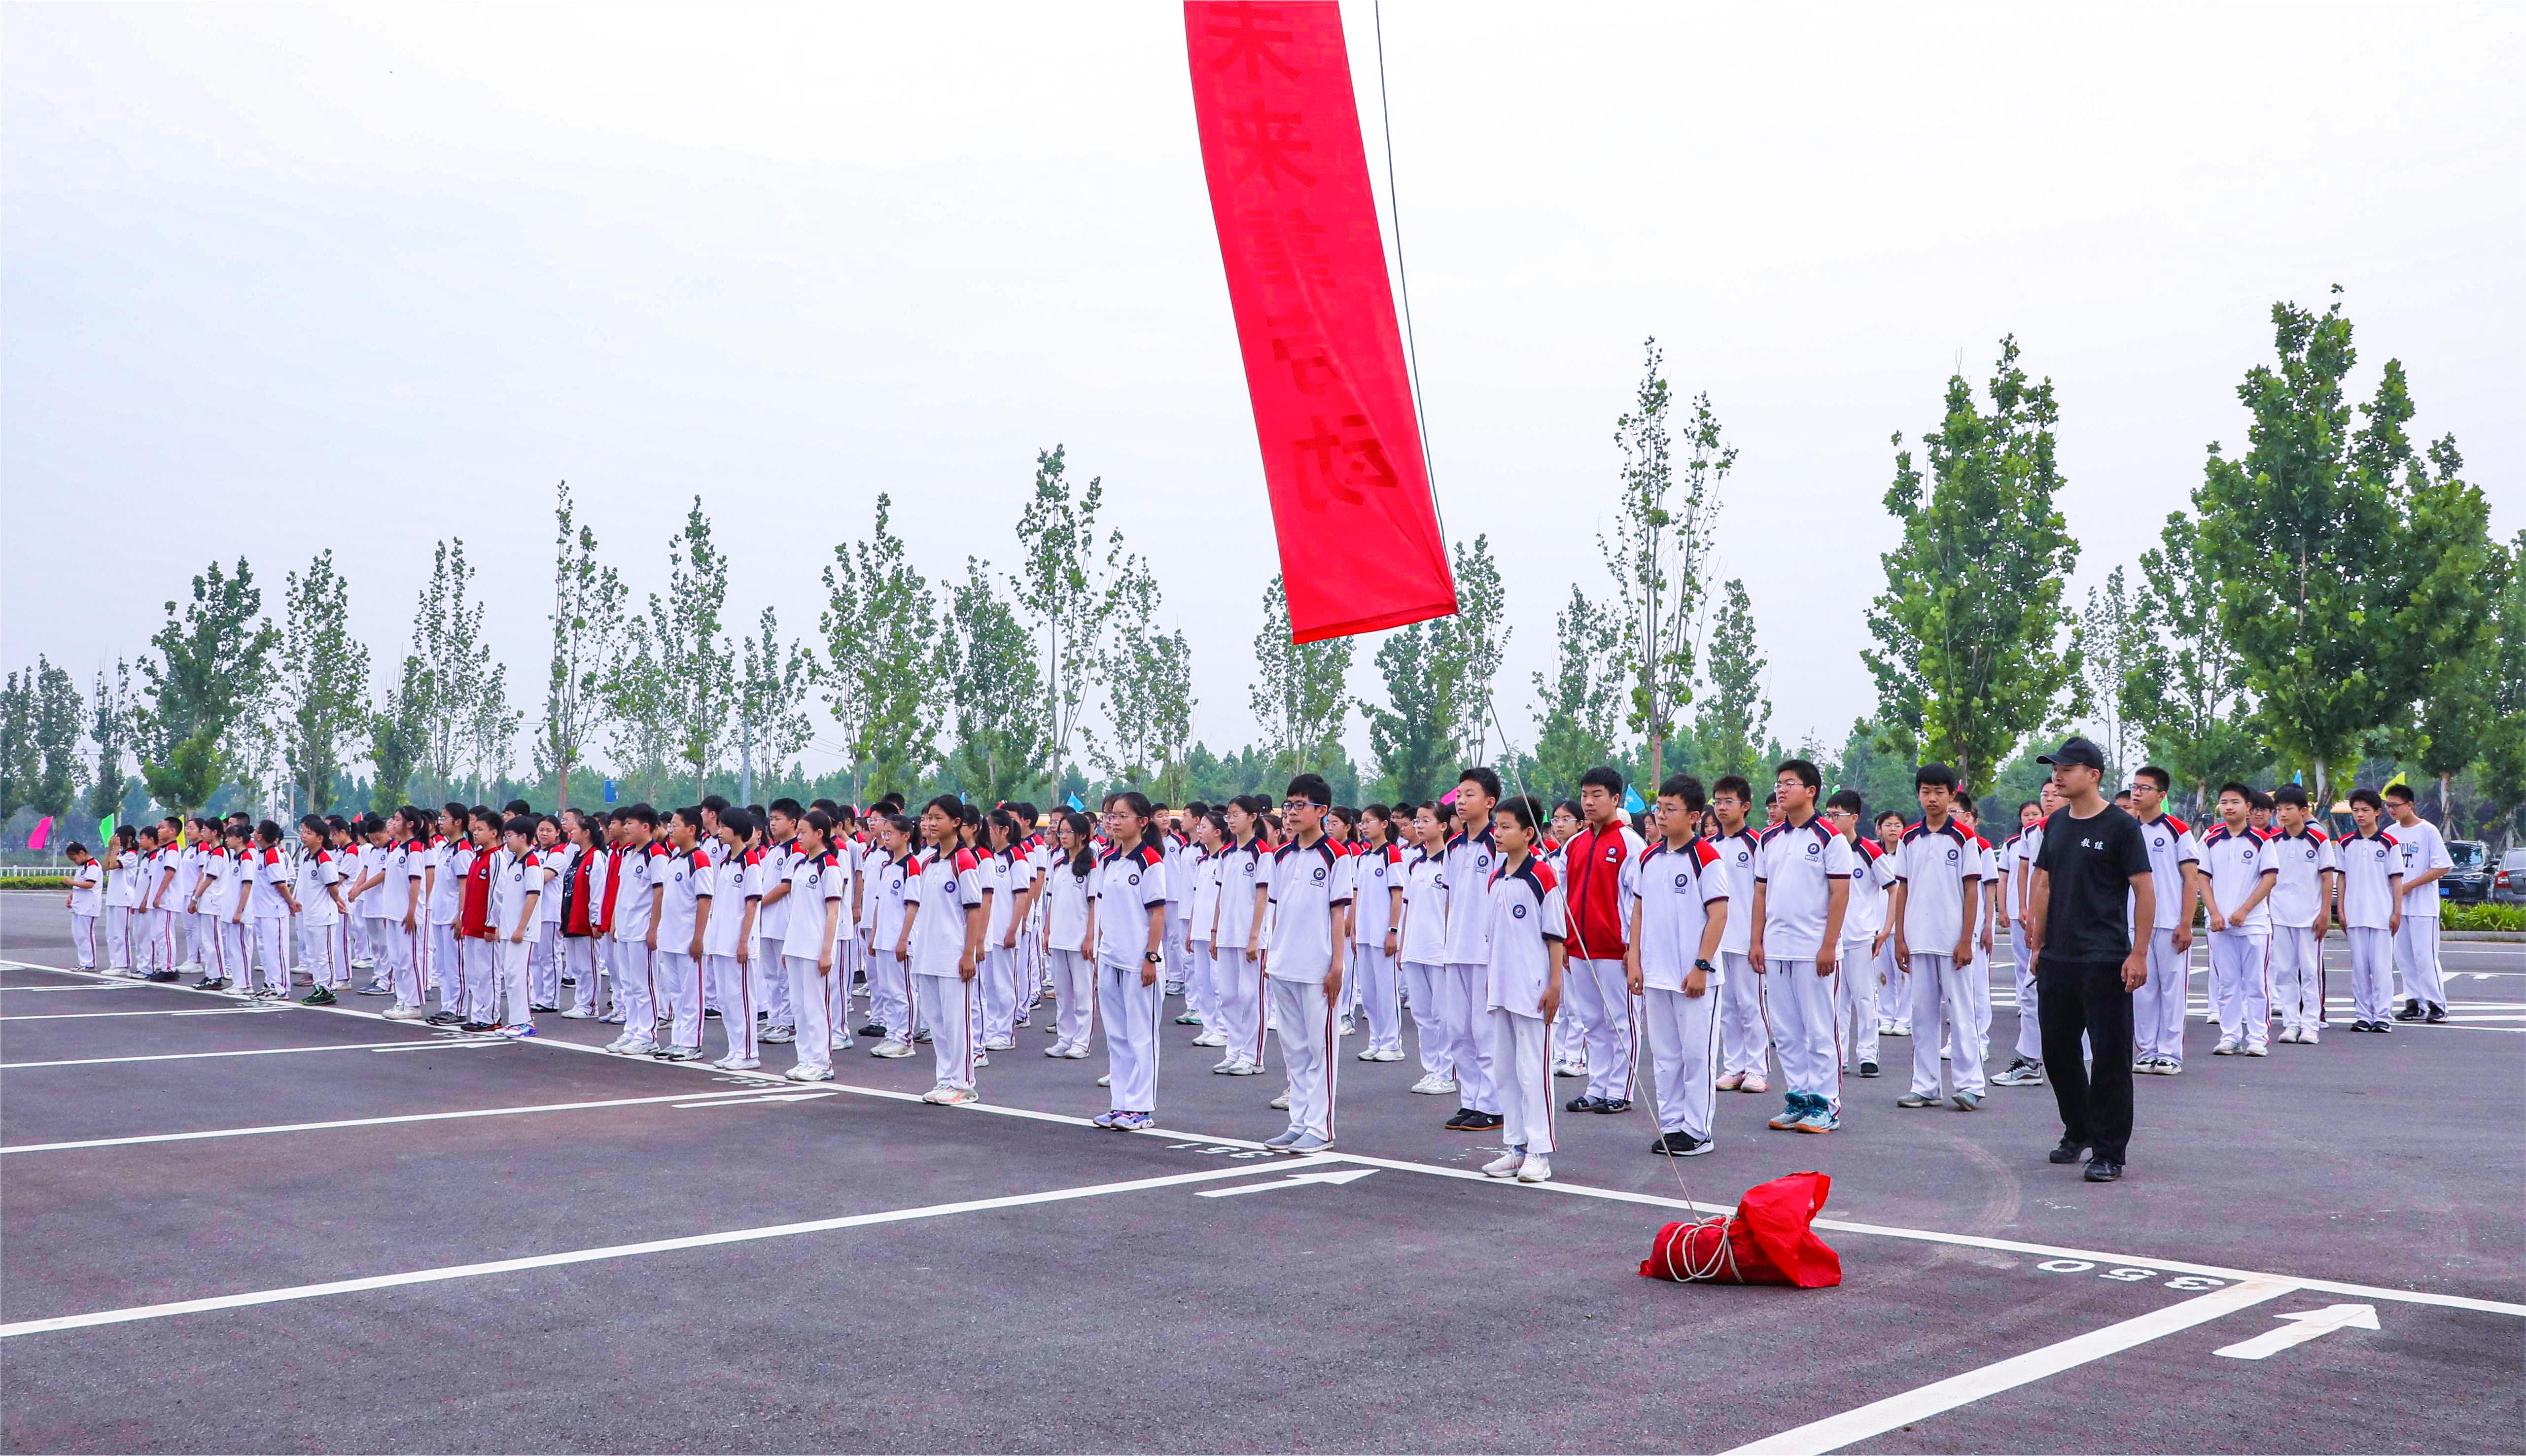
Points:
(1360, 547)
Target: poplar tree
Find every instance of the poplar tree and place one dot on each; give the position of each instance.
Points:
(18, 756)
(1662, 538)
(772, 727)
(210, 663)
(1581, 702)
(696, 678)
(2185, 691)
(1735, 719)
(1300, 693)
(1438, 678)
(1069, 584)
(2116, 640)
(1149, 692)
(588, 613)
(880, 624)
(987, 662)
(112, 716)
(1974, 648)
(2503, 741)
(399, 734)
(324, 681)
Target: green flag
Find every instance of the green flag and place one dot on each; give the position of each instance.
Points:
(105, 831)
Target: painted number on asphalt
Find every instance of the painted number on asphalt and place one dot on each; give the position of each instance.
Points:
(2189, 1284)
(1215, 1151)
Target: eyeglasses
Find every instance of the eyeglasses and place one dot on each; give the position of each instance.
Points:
(1291, 805)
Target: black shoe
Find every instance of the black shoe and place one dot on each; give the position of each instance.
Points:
(2067, 1152)
(569, 981)
(1868, 1069)
(710, 1014)
(1612, 1104)
(2101, 1172)
(873, 1029)
(317, 997)
(477, 1027)
(2412, 1012)
(164, 977)
(1680, 1145)
(2437, 1014)
(543, 1009)
(1467, 1119)
(1584, 1103)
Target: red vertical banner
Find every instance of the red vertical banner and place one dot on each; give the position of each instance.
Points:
(1360, 547)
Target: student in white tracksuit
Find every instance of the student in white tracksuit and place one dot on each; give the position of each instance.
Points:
(1856, 986)
(1464, 991)
(1936, 910)
(1201, 962)
(319, 897)
(2426, 861)
(1744, 1042)
(1068, 893)
(1306, 967)
(1678, 914)
(1238, 944)
(2372, 911)
(86, 899)
(1130, 953)
(942, 943)
(2236, 888)
(813, 927)
(1423, 948)
(519, 882)
(890, 889)
(2306, 870)
(1376, 908)
(2174, 863)
(635, 893)
(1528, 959)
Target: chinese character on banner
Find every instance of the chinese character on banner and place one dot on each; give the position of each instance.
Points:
(1340, 445)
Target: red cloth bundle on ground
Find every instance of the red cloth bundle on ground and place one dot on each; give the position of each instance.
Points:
(1768, 1240)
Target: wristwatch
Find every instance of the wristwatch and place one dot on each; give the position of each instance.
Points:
(1705, 968)
(1153, 958)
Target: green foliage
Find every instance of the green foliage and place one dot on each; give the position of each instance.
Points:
(1970, 655)
(2115, 632)
(1581, 703)
(212, 662)
(1439, 682)
(1884, 779)
(1730, 733)
(2503, 746)
(323, 679)
(588, 606)
(1070, 584)
(2185, 691)
(112, 719)
(1300, 695)
(2460, 574)
(1149, 691)
(1660, 540)
(880, 622)
(2482, 918)
(19, 761)
(987, 662)
(399, 734)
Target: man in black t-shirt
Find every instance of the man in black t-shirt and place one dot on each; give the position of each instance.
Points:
(2092, 884)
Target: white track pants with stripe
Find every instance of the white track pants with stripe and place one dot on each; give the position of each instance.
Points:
(678, 977)
(636, 987)
(1240, 984)
(733, 983)
(2416, 955)
(809, 1002)
(1464, 995)
(1373, 971)
(1801, 1004)
(1074, 989)
(2240, 997)
(1743, 1039)
(2158, 1006)
(83, 940)
(1939, 989)
(1684, 1053)
(2297, 976)
(318, 945)
(1854, 1002)
(2372, 970)
(1595, 990)
(948, 1005)
(1303, 1016)
(1518, 1059)
(1131, 1011)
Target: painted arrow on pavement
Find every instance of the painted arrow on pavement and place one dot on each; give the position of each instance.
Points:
(1339, 1176)
(2304, 1326)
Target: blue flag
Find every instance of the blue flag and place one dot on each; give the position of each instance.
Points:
(1632, 801)
(1074, 805)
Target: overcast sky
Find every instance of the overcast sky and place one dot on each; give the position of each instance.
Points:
(362, 276)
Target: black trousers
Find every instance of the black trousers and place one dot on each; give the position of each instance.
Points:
(2076, 997)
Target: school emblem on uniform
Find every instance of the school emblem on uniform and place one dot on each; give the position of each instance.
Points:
(951, 884)
(1519, 911)
(1815, 849)
(1683, 881)
(1320, 872)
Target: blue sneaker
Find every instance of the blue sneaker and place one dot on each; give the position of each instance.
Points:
(1133, 1122)
(518, 1031)
(1792, 1112)
(1820, 1118)
(1105, 1119)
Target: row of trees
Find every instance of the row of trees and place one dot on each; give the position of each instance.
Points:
(2332, 598)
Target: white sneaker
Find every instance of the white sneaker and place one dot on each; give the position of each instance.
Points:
(403, 1013)
(1536, 1168)
(890, 1049)
(639, 1047)
(1107, 1079)
(578, 1013)
(840, 1041)
(1391, 1054)
(982, 1059)
(1057, 1049)
(1076, 1053)
(1505, 1165)
(1210, 1038)
(1242, 1068)
(1347, 1028)
(2227, 1048)
(738, 1064)
(2306, 1037)
(809, 1074)
(2258, 1049)
(1000, 1043)
(1436, 1085)
(1281, 1102)
(941, 1095)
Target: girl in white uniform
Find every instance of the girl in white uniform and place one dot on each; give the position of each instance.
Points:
(814, 926)
(1003, 875)
(318, 894)
(1130, 938)
(121, 894)
(543, 942)
(84, 902)
(1423, 946)
(1376, 905)
(1069, 921)
(1209, 837)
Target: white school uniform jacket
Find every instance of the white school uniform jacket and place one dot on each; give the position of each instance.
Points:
(1797, 865)
(2372, 877)
(999, 878)
(2300, 861)
(734, 885)
(641, 867)
(1935, 865)
(1872, 876)
(1307, 895)
(892, 887)
(1127, 882)
(88, 887)
(2424, 849)
(1470, 859)
(1066, 894)
(558, 862)
(1425, 908)
(369, 860)
(1180, 852)
(2171, 846)
(447, 896)
(1527, 916)
(2237, 863)
(514, 876)
(1241, 870)
(944, 886)
(317, 874)
(772, 921)
(1737, 862)
(188, 873)
(871, 867)
(1375, 873)
(1204, 872)
(687, 877)
(1673, 893)
(815, 882)
(406, 865)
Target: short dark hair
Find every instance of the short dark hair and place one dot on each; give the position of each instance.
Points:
(1686, 787)
(517, 806)
(2157, 776)
(1523, 809)
(1884, 815)
(2232, 787)
(519, 824)
(789, 807)
(2290, 794)
(1934, 776)
(1312, 788)
(1848, 800)
(2025, 804)
(737, 822)
(714, 803)
(947, 804)
(1606, 776)
(1734, 783)
(1483, 778)
(2260, 800)
(2400, 792)
(2369, 796)
(1800, 768)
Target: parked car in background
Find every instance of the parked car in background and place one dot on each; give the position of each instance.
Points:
(2469, 882)
(2509, 881)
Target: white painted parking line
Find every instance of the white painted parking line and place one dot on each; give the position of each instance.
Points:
(261, 1051)
(609, 1252)
(106, 986)
(1896, 1411)
(681, 1099)
(90, 1016)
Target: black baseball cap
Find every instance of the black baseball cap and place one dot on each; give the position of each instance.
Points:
(2075, 750)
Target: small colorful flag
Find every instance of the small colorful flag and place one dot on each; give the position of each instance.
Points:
(2398, 779)
(1632, 803)
(43, 832)
(105, 831)
(1074, 805)
(1448, 797)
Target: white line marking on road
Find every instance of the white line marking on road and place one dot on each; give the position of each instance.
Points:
(1896, 1411)
(609, 1252)
(756, 1099)
(410, 1117)
(110, 986)
(1303, 1180)
(262, 1051)
(444, 1043)
(90, 1016)
(2309, 1324)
